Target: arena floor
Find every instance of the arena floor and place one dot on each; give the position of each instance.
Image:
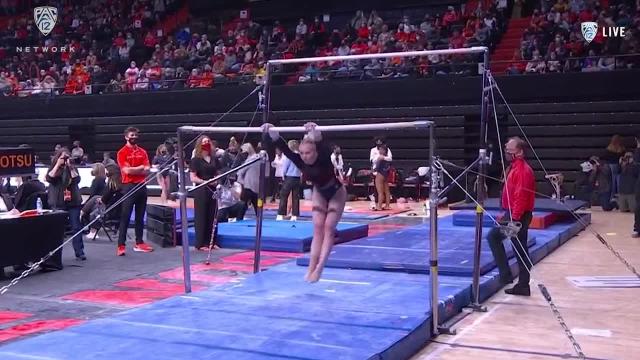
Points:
(514, 328)
(603, 320)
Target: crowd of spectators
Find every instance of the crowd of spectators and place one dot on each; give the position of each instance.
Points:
(118, 47)
(554, 43)
(98, 37)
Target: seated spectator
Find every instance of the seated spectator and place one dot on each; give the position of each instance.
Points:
(77, 153)
(230, 206)
(553, 65)
(6, 205)
(601, 180)
(27, 192)
(536, 65)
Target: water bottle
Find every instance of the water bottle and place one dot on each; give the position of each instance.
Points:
(39, 205)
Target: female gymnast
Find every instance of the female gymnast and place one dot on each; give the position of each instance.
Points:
(329, 195)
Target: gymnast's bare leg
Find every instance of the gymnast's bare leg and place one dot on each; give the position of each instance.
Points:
(319, 215)
(335, 209)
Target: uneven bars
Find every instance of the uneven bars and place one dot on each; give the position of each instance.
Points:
(325, 128)
(471, 50)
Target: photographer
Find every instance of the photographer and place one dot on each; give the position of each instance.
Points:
(628, 179)
(64, 194)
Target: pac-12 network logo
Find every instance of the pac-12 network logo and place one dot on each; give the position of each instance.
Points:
(45, 18)
(589, 30)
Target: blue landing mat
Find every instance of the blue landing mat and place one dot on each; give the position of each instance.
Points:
(279, 235)
(540, 205)
(468, 217)
(345, 215)
(408, 250)
(272, 315)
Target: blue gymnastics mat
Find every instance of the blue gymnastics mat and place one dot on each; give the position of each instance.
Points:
(409, 250)
(540, 205)
(271, 315)
(345, 215)
(541, 219)
(290, 236)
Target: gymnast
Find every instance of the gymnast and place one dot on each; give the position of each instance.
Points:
(329, 195)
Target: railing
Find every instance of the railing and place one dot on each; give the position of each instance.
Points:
(577, 64)
(359, 72)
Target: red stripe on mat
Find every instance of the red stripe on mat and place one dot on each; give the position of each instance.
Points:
(153, 284)
(9, 316)
(36, 327)
(177, 274)
(380, 228)
(120, 297)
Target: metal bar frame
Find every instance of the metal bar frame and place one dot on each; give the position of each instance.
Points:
(435, 194)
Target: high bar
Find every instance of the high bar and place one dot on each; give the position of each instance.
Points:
(298, 129)
(471, 50)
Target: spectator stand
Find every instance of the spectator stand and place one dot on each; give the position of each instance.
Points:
(551, 41)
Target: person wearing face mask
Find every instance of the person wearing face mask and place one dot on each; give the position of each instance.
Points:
(134, 165)
(518, 200)
(329, 195)
(64, 194)
(204, 166)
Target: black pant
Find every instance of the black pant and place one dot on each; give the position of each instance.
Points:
(275, 187)
(139, 200)
(250, 197)
(205, 212)
(236, 210)
(291, 185)
(636, 222)
(496, 237)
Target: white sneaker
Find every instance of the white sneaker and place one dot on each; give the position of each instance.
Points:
(279, 218)
(635, 235)
(92, 233)
(294, 218)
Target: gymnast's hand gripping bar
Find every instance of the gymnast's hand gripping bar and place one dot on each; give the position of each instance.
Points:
(301, 129)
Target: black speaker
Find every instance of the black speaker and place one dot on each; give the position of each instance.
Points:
(161, 225)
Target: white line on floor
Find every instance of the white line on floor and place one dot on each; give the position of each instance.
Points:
(473, 325)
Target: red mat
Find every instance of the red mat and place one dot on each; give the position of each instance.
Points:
(11, 316)
(36, 327)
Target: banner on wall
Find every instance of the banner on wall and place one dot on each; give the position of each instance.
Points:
(18, 161)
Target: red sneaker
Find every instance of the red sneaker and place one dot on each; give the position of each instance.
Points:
(142, 247)
(121, 250)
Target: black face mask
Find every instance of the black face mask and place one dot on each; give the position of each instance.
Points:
(510, 157)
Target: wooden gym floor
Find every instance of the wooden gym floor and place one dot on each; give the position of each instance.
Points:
(603, 320)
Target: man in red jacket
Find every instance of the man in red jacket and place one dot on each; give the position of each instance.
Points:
(518, 198)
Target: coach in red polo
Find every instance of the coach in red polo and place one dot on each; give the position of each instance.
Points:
(134, 167)
(518, 199)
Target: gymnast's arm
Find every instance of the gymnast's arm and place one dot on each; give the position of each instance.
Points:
(268, 140)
